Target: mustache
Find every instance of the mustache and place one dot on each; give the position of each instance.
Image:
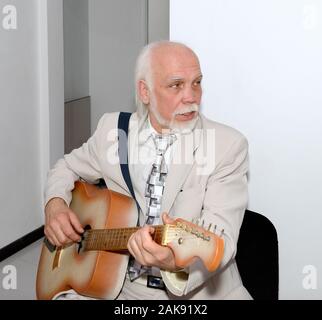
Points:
(186, 109)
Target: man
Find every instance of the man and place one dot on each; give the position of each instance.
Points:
(206, 165)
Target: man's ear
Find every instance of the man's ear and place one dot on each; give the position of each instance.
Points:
(143, 91)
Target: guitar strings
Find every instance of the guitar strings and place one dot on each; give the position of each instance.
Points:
(105, 237)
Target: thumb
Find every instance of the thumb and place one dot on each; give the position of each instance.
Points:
(166, 218)
(151, 230)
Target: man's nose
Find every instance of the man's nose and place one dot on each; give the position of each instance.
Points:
(189, 96)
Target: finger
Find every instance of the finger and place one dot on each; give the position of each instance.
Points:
(70, 232)
(145, 237)
(147, 229)
(139, 247)
(144, 232)
(135, 250)
(138, 239)
(75, 222)
(166, 218)
(59, 234)
(148, 245)
(52, 238)
(143, 256)
(55, 241)
(48, 237)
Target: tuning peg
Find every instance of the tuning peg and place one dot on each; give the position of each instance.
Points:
(215, 227)
(202, 223)
(209, 226)
(222, 232)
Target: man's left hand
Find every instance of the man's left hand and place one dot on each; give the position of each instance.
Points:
(147, 252)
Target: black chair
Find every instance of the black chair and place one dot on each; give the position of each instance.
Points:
(257, 256)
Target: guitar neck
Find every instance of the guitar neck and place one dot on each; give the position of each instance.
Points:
(116, 239)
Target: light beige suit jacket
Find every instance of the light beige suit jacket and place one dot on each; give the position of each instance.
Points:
(209, 182)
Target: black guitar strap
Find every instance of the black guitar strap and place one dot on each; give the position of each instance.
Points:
(123, 131)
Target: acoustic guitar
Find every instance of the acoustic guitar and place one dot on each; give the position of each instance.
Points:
(96, 265)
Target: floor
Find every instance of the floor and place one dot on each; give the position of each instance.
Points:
(25, 262)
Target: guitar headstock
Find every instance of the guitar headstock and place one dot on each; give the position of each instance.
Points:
(189, 241)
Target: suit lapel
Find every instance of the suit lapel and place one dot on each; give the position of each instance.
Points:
(134, 129)
(179, 170)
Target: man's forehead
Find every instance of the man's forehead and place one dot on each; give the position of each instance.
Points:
(176, 65)
(178, 76)
(178, 73)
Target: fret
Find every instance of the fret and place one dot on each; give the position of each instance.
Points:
(110, 235)
(93, 236)
(113, 239)
(98, 240)
(126, 237)
(107, 241)
(117, 238)
(122, 236)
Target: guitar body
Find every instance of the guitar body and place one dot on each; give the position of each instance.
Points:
(97, 274)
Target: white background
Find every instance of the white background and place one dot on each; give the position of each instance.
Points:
(32, 119)
(262, 65)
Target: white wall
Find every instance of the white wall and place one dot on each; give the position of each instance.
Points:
(20, 177)
(117, 31)
(76, 49)
(263, 74)
(55, 79)
(29, 139)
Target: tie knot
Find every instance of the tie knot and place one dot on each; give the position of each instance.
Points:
(163, 141)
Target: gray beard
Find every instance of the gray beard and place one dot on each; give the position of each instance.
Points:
(173, 125)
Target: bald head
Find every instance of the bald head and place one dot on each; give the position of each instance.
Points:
(169, 52)
(170, 57)
(160, 53)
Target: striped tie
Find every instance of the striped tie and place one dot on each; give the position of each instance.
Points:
(156, 180)
(154, 192)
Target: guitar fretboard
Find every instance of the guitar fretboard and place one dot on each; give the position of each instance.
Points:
(115, 239)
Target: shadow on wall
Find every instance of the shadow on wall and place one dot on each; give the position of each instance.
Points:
(77, 123)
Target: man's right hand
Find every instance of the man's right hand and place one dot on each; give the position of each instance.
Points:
(62, 225)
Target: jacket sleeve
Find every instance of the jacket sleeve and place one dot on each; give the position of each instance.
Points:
(224, 205)
(82, 162)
